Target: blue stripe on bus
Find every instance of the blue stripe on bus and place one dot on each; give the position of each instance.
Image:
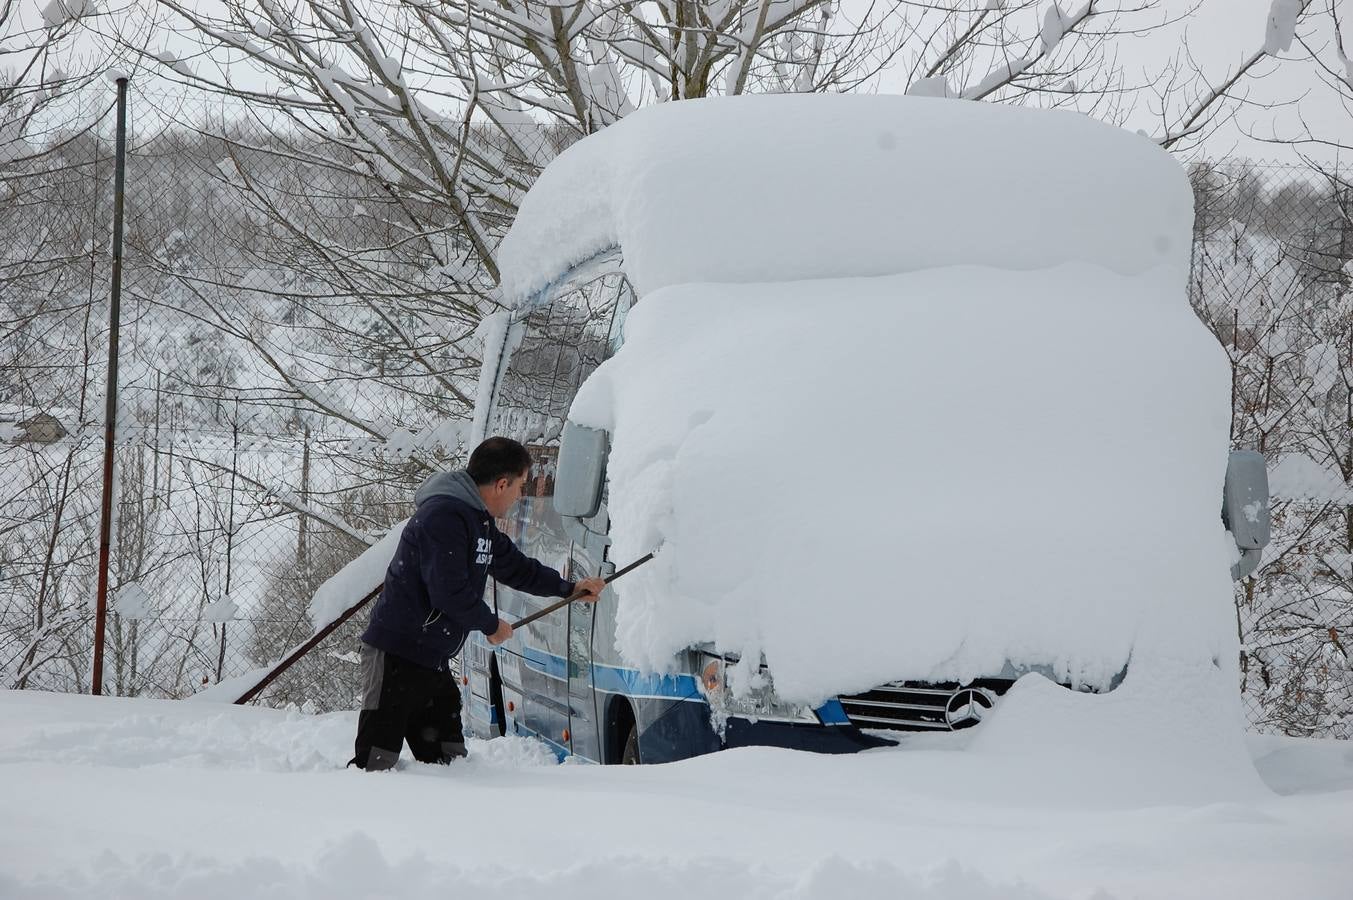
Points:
(633, 683)
(617, 679)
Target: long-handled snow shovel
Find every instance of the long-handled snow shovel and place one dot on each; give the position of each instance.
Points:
(576, 594)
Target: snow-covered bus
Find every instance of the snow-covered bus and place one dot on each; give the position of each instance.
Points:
(908, 397)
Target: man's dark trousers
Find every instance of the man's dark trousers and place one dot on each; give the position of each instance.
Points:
(403, 701)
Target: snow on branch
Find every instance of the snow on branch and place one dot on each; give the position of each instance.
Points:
(1056, 26)
(1282, 25)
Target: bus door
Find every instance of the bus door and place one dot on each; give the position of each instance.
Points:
(542, 646)
(584, 731)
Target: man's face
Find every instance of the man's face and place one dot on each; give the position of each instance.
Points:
(504, 494)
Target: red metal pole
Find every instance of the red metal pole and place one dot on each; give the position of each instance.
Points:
(110, 401)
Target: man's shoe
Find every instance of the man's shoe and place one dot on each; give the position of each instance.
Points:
(452, 750)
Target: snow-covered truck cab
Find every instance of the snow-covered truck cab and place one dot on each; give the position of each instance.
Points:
(905, 392)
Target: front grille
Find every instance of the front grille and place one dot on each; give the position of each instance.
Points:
(924, 706)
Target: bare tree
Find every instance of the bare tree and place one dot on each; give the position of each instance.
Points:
(385, 147)
(48, 557)
(1326, 40)
(45, 166)
(34, 59)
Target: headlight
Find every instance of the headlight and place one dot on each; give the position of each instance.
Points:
(750, 697)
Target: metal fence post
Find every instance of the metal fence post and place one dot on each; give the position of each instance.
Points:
(110, 404)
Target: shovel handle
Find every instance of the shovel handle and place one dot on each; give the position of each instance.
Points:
(576, 594)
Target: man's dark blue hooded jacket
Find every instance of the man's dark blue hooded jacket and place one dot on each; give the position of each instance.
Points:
(434, 588)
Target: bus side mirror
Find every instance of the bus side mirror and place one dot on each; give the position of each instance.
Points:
(579, 472)
(1245, 508)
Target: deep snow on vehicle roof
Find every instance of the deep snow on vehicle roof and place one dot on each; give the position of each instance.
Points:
(787, 187)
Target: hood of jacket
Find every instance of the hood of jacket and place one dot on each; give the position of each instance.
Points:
(456, 484)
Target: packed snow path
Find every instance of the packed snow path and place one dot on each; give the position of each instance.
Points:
(147, 799)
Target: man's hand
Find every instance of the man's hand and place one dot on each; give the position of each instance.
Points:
(503, 633)
(591, 589)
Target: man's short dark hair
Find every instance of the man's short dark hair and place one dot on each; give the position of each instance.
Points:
(498, 457)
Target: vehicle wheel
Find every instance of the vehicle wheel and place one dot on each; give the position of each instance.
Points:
(630, 756)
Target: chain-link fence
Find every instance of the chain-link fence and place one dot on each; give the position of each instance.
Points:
(1272, 276)
(299, 348)
(297, 351)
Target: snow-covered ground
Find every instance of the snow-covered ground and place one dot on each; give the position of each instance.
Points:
(134, 798)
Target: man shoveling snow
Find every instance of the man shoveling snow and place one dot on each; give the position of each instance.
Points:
(434, 597)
